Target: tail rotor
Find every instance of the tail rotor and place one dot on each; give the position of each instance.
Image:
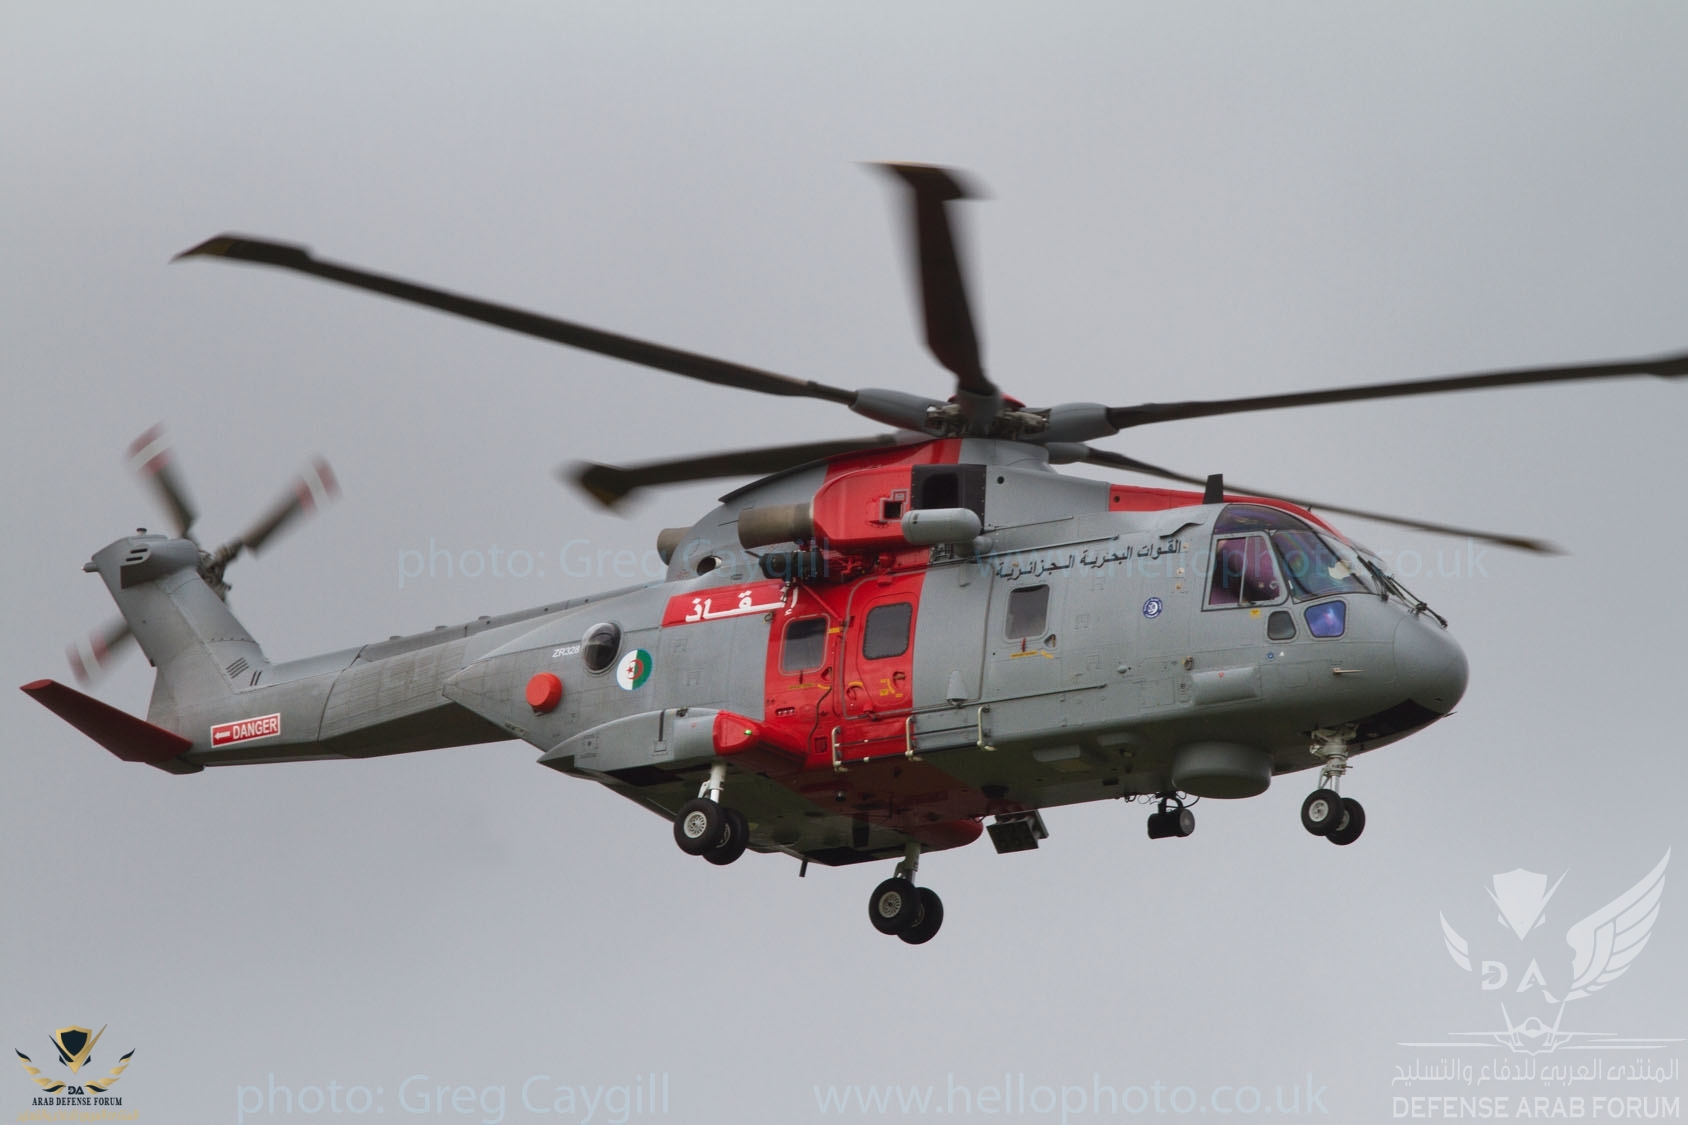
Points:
(152, 458)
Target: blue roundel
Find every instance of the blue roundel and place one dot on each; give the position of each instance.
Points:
(1152, 608)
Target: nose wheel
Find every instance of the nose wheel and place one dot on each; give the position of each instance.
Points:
(1350, 824)
(1326, 812)
(898, 907)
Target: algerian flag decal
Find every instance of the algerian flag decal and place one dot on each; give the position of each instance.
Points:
(634, 669)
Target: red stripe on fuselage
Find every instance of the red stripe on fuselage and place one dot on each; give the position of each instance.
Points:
(804, 707)
(1134, 498)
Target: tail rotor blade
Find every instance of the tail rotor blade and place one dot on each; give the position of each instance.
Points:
(315, 487)
(151, 457)
(91, 655)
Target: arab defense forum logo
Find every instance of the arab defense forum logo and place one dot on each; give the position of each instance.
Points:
(1535, 981)
(75, 1046)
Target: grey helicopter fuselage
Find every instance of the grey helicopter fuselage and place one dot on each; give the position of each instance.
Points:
(1071, 640)
(882, 643)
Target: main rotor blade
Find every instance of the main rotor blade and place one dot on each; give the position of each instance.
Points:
(609, 485)
(151, 457)
(690, 364)
(89, 656)
(314, 487)
(1117, 461)
(943, 289)
(1665, 367)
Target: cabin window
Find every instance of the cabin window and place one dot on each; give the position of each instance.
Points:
(886, 633)
(599, 648)
(1028, 611)
(1243, 573)
(1280, 626)
(805, 645)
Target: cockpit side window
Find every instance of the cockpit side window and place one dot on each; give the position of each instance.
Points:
(1243, 573)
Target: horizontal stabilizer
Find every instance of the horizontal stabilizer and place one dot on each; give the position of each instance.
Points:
(132, 739)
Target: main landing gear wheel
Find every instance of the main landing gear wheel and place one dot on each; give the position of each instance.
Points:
(700, 827)
(931, 917)
(1321, 812)
(1350, 824)
(733, 843)
(898, 907)
(895, 906)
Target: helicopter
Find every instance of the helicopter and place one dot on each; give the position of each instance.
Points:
(877, 646)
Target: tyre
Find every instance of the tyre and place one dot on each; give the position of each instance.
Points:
(1351, 824)
(895, 906)
(733, 841)
(700, 826)
(931, 917)
(1321, 812)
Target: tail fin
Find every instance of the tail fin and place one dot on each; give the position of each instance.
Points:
(186, 630)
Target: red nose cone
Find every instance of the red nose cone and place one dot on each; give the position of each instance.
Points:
(544, 692)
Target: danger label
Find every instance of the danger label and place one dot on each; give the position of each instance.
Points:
(245, 730)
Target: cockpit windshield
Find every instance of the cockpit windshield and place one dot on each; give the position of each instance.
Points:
(1315, 565)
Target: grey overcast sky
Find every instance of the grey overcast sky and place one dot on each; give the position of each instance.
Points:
(1185, 200)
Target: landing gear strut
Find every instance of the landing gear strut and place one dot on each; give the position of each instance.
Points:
(703, 827)
(1326, 812)
(1173, 819)
(899, 907)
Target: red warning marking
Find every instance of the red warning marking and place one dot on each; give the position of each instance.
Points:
(245, 730)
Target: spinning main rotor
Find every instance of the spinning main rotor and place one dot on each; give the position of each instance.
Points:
(977, 408)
